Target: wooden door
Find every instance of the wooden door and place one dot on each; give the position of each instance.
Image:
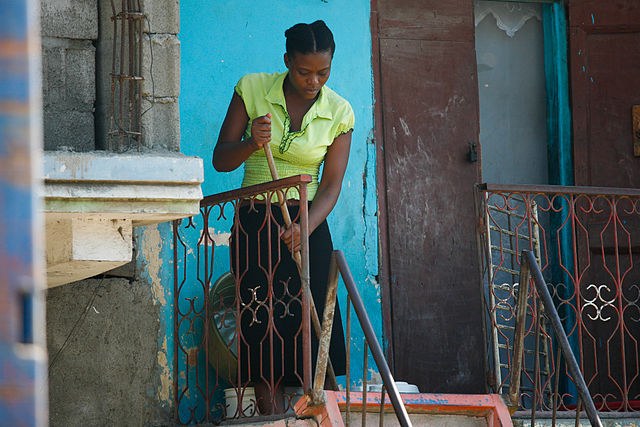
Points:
(427, 112)
(605, 81)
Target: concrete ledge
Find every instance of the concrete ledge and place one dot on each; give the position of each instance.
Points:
(94, 199)
(146, 188)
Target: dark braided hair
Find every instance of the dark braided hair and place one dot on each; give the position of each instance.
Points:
(310, 38)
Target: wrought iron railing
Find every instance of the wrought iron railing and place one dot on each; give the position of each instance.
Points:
(211, 375)
(587, 243)
(530, 271)
(211, 356)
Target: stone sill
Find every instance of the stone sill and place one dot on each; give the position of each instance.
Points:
(93, 200)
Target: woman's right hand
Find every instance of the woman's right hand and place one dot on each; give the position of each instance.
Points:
(232, 149)
(261, 130)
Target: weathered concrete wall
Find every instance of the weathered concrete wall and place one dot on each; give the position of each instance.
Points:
(102, 345)
(110, 355)
(115, 368)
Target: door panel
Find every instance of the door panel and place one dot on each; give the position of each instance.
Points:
(605, 86)
(605, 67)
(426, 19)
(598, 13)
(430, 116)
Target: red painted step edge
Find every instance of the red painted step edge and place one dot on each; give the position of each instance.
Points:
(490, 406)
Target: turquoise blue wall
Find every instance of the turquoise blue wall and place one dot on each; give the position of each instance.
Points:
(221, 41)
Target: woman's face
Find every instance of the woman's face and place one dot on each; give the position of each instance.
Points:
(308, 72)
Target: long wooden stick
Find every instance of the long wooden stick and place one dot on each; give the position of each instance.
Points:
(315, 320)
(281, 200)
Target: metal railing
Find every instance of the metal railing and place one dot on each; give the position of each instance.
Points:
(340, 267)
(586, 241)
(213, 377)
(212, 307)
(529, 270)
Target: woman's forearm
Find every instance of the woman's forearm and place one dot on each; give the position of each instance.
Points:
(323, 203)
(331, 182)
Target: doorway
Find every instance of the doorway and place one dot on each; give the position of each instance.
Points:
(512, 95)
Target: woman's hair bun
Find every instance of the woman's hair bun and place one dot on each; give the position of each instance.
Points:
(309, 38)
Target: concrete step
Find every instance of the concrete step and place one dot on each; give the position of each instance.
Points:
(616, 421)
(286, 420)
(419, 420)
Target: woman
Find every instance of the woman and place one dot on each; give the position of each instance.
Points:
(306, 124)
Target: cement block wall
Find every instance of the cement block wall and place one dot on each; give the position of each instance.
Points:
(68, 67)
(77, 38)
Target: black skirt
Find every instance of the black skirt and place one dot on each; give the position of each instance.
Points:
(270, 283)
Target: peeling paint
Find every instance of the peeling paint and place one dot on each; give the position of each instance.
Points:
(220, 238)
(151, 252)
(376, 377)
(165, 386)
(373, 281)
(77, 165)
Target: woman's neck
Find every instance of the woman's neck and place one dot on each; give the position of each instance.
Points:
(290, 94)
(297, 106)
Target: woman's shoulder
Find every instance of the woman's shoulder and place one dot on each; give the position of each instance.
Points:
(259, 78)
(256, 85)
(337, 102)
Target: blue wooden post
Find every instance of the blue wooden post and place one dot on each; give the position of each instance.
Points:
(23, 385)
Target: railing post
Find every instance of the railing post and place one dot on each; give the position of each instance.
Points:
(307, 298)
(518, 340)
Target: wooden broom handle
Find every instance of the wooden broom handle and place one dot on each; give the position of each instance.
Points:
(281, 200)
(315, 320)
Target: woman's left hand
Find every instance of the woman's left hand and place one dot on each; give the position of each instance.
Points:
(291, 237)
